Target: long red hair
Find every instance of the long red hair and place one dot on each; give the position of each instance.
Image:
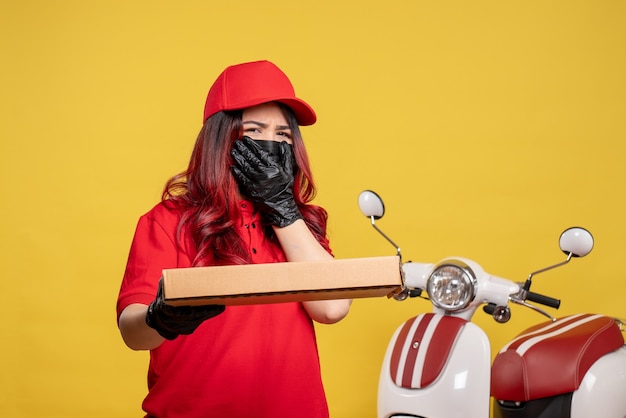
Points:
(206, 193)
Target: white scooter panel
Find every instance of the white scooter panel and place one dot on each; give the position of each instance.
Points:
(435, 366)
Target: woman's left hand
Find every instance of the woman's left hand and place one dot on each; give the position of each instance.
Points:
(268, 182)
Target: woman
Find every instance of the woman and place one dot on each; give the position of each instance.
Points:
(244, 198)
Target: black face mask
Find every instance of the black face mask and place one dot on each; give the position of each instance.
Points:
(271, 147)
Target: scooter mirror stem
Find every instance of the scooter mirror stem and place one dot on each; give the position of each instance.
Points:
(530, 276)
(398, 253)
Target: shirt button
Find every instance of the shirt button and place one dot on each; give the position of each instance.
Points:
(254, 251)
(248, 226)
(253, 226)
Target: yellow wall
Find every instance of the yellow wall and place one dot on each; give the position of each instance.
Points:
(488, 127)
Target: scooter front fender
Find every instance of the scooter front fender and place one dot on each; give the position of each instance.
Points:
(461, 388)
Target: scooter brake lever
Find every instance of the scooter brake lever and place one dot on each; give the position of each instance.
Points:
(534, 308)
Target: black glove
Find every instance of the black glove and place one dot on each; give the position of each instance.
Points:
(268, 180)
(172, 321)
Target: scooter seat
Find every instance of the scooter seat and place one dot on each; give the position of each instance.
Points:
(552, 358)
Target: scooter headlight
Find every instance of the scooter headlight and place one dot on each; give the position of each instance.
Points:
(452, 285)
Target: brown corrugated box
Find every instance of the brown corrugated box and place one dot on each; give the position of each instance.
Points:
(283, 282)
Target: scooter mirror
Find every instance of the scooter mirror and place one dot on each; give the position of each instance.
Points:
(371, 204)
(576, 241)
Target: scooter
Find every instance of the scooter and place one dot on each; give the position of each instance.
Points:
(438, 364)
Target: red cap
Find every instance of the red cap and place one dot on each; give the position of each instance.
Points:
(253, 83)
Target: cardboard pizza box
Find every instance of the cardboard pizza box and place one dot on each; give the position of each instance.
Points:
(283, 282)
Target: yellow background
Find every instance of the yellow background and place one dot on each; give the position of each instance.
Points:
(487, 126)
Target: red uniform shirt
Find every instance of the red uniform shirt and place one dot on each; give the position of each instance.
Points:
(250, 361)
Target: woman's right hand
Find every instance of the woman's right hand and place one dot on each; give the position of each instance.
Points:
(165, 322)
(171, 321)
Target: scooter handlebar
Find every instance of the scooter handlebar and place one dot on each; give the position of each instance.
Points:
(543, 300)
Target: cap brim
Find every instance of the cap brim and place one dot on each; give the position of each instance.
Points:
(304, 113)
